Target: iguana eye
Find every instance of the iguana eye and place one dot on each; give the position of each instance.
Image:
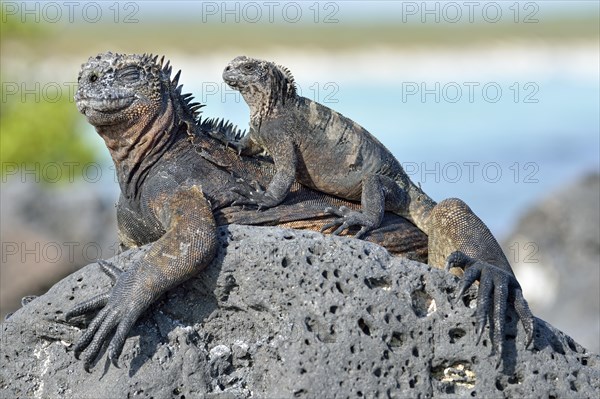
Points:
(130, 74)
(248, 67)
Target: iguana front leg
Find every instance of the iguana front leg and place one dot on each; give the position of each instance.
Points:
(286, 160)
(188, 245)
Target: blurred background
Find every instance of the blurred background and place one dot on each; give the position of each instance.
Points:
(493, 102)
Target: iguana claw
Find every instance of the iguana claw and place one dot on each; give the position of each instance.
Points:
(258, 196)
(119, 312)
(496, 288)
(348, 218)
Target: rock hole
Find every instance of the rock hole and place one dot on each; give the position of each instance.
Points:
(422, 303)
(299, 393)
(308, 260)
(513, 380)
(364, 327)
(473, 394)
(367, 252)
(378, 282)
(377, 372)
(325, 274)
(499, 385)
(302, 371)
(336, 273)
(333, 309)
(288, 236)
(71, 298)
(415, 352)
(370, 309)
(397, 339)
(456, 334)
(339, 288)
(308, 322)
(411, 383)
(572, 386)
(284, 262)
(351, 348)
(386, 318)
(80, 279)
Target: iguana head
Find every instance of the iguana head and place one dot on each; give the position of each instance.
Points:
(124, 89)
(262, 83)
(136, 108)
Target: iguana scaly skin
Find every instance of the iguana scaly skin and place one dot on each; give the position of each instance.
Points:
(326, 151)
(175, 182)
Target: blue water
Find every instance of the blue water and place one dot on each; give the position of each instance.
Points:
(500, 157)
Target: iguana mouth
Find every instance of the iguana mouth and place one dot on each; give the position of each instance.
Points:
(230, 77)
(104, 104)
(231, 82)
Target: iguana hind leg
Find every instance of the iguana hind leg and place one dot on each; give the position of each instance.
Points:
(379, 193)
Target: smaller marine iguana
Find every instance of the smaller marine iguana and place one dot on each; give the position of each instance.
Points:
(326, 151)
(315, 145)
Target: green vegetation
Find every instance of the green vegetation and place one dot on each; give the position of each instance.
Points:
(42, 136)
(38, 122)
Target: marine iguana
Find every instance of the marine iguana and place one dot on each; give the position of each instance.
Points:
(173, 177)
(327, 151)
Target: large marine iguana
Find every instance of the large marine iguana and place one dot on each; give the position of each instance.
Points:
(174, 181)
(327, 151)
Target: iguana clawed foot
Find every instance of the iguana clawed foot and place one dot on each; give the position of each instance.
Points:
(497, 287)
(120, 309)
(348, 218)
(255, 195)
